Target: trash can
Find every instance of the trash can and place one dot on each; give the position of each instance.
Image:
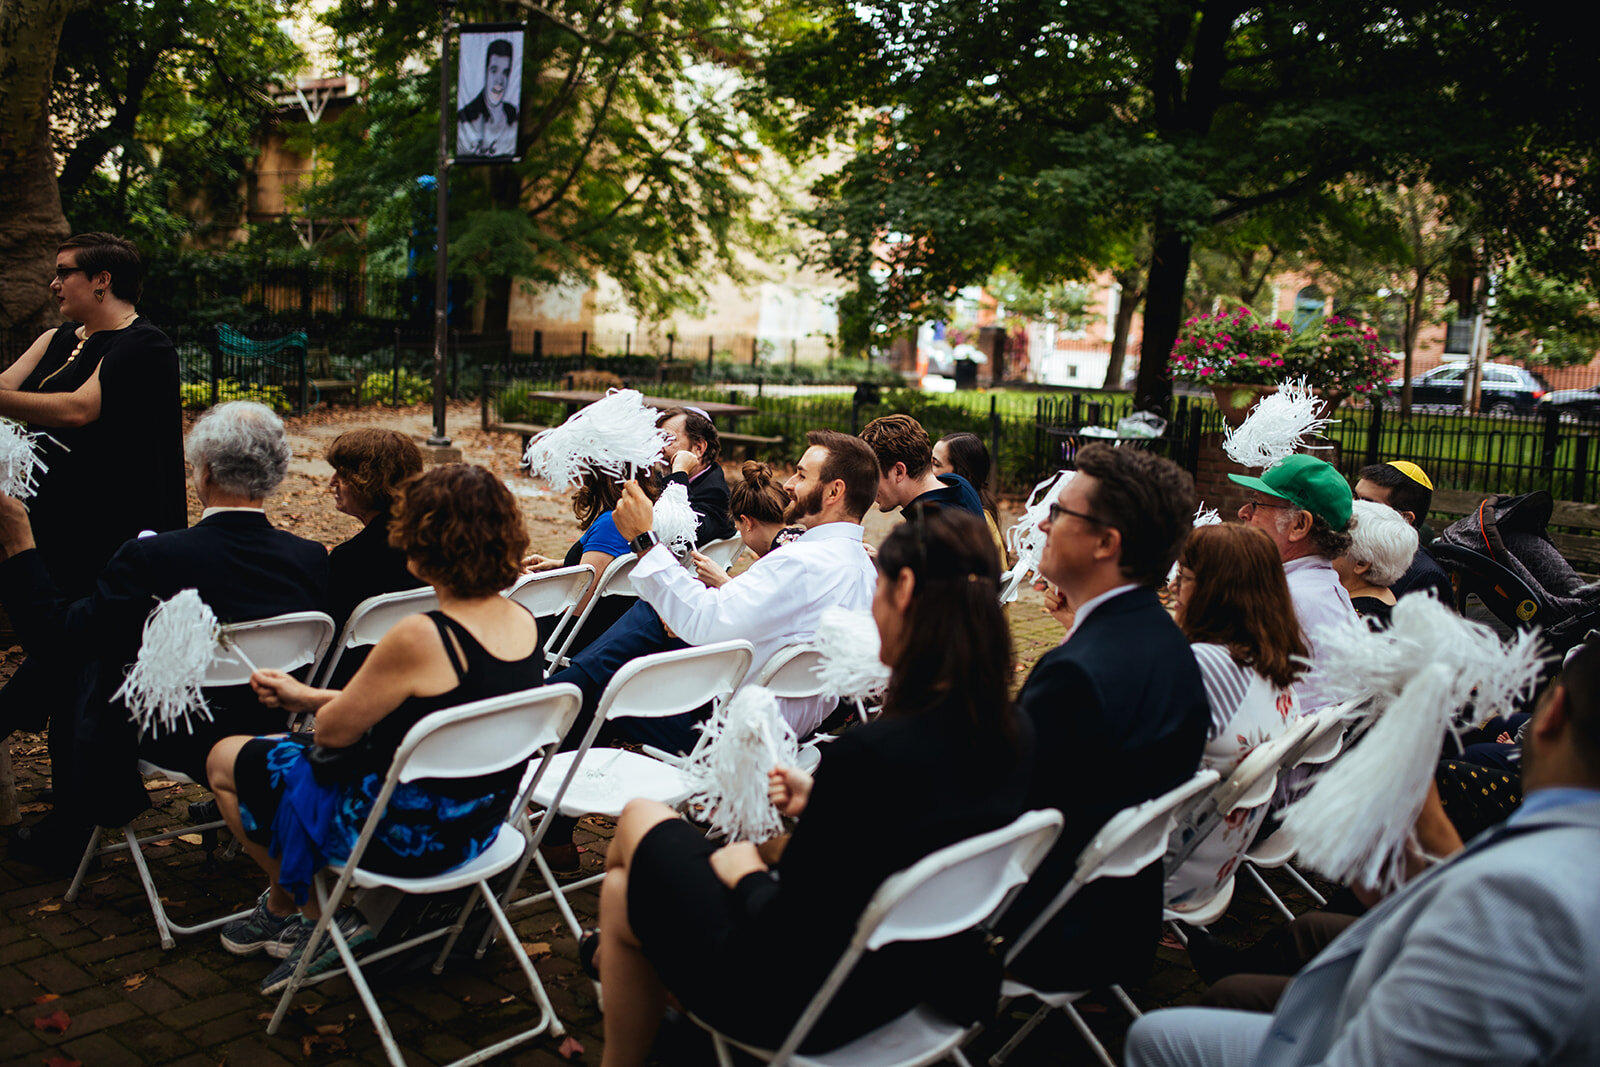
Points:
(966, 374)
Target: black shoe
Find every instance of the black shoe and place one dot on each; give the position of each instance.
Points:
(204, 811)
(1213, 958)
(54, 842)
(587, 945)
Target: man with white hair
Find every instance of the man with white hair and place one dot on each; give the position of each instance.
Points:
(241, 567)
(1303, 504)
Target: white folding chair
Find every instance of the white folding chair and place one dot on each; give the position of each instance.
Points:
(1322, 745)
(792, 673)
(615, 580)
(725, 551)
(286, 642)
(1129, 842)
(371, 619)
(952, 890)
(463, 742)
(601, 781)
(1249, 787)
(553, 593)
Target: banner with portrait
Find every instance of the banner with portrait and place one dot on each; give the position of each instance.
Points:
(488, 91)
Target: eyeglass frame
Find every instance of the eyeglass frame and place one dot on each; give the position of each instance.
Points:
(1287, 505)
(63, 273)
(1057, 510)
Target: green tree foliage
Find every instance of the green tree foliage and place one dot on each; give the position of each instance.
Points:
(989, 132)
(156, 107)
(1544, 320)
(638, 159)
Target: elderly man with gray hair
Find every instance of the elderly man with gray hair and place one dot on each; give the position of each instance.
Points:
(242, 567)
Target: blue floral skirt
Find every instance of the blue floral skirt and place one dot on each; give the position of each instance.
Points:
(430, 826)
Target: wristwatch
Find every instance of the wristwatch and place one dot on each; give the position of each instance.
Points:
(644, 543)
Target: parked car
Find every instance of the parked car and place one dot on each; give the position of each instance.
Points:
(1574, 404)
(1507, 390)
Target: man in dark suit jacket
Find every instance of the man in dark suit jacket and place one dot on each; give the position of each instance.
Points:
(1119, 710)
(242, 567)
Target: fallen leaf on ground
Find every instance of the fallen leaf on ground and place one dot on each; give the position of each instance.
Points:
(62, 1061)
(30, 809)
(264, 1016)
(508, 998)
(45, 998)
(159, 783)
(48, 907)
(570, 1047)
(193, 839)
(321, 1042)
(536, 950)
(134, 981)
(311, 1009)
(331, 1028)
(54, 1024)
(160, 844)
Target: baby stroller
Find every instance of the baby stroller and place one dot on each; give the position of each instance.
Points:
(1501, 553)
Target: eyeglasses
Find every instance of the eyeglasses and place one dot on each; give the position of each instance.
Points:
(63, 273)
(1254, 503)
(1056, 511)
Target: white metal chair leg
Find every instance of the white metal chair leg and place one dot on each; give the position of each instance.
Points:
(90, 850)
(535, 984)
(313, 943)
(1087, 1034)
(724, 1056)
(1017, 1038)
(1127, 1002)
(163, 928)
(457, 927)
(1277, 902)
(1321, 900)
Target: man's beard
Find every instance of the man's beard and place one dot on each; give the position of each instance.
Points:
(802, 508)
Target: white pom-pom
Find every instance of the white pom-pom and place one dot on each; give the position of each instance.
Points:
(1277, 426)
(1203, 516)
(21, 460)
(675, 522)
(162, 689)
(744, 740)
(1421, 674)
(616, 434)
(1026, 539)
(849, 644)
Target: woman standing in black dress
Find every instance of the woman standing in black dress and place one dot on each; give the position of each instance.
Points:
(104, 386)
(745, 949)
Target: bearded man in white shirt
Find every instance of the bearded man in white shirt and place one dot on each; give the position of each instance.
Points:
(779, 601)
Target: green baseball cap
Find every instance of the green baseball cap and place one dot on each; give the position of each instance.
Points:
(1306, 482)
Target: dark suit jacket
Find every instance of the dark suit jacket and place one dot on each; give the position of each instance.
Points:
(242, 567)
(1120, 716)
(1425, 574)
(365, 566)
(708, 496)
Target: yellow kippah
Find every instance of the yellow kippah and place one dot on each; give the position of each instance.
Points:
(1412, 471)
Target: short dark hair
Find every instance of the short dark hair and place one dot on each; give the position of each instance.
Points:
(462, 526)
(1404, 493)
(372, 463)
(1149, 500)
(698, 425)
(1580, 678)
(115, 255)
(849, 460)
(498, 47)
(969, 457)
(900, 439)
(1329, 543)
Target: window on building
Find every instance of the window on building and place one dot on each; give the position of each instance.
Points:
(1308, 308)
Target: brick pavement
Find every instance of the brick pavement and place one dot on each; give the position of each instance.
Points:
(98, 961)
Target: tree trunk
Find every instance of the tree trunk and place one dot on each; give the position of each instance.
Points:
(1163, 311)
(31, 221)
(1126, 306)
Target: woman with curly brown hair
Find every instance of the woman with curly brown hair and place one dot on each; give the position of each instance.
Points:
(368, 467)
(462, 533)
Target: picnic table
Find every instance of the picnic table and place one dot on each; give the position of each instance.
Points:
(580, 398)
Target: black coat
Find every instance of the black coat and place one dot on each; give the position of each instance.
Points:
(1120, 716)
(240, 565)
(708, 496)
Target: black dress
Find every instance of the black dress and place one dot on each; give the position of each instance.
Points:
(431, 825)
(748, 959)
(123, 473)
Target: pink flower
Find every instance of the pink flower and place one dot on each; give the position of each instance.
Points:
(1204, 371)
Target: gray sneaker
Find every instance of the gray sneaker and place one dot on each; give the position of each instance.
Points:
(257, 930)
(289, 938)
(356, 933)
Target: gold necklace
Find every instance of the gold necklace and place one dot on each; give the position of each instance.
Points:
(83, 339)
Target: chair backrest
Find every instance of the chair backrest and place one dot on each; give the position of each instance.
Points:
(792, 672)
(284, 642)
(1252, 782)
(1130, 841)
(725, 551)
(944, 893)
(374, 617)
(1326, 738)
(487, 735)
(613, 581)
(671, 683)
(552, 592)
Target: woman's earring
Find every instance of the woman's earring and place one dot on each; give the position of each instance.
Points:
(100, 295)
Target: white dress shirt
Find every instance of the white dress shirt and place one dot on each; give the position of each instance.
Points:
(1319, 602)
(777, 602)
